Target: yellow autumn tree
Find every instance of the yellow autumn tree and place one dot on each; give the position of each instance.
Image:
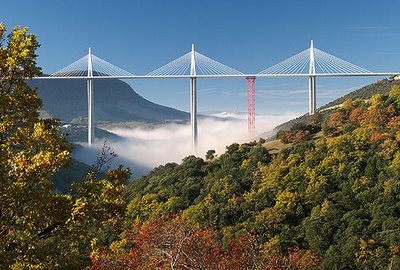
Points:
(30, 153)
(40, 229)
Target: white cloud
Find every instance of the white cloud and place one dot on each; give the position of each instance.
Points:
(283, 92)
(209, 90)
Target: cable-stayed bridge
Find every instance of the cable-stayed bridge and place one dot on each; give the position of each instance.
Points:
(311, 63)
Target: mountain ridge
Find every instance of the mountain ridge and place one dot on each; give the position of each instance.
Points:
(114, 100)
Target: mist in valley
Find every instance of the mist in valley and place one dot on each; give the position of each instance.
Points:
(142, 149)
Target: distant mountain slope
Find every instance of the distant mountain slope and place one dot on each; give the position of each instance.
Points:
(366, 92)
(114, 99)
(75, 172)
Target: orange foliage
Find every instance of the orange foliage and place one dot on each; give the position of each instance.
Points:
(302, 135)
(394, 123)
(373, 117)
(296, 259)
(171, 243)
(377, 136)
(357, 116)
(376, 117)
(336, 119)
(287, 136)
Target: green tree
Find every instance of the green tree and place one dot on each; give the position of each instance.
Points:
(394, 94)
(210, 154)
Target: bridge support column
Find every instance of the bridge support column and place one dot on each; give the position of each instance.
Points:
(193, 111)
(312, 95)
(90, 99)
(250, 106)
(193, 98)
(90, 111)
(311, 82)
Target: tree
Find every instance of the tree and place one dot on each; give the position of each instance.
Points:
(162, 243)
(172, 243)
(394, 94)
(30, 152)
(40, 229)
(335, 122)
(210, 154)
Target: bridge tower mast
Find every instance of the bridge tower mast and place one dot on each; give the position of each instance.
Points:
(90, 98)
(312, 81)
(193, 98)
(250, 106)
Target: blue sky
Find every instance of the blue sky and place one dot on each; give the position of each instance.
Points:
(250, 36)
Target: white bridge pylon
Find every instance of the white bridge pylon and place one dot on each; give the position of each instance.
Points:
(90, 67)
(313, 62)
(81, 69)
(193, 64)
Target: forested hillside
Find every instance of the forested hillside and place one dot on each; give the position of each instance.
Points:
(379, 87)
(335, 198)
(366, 92)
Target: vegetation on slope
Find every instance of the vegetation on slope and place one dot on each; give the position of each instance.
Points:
(366, 92)
(379, 87)
(336, 195)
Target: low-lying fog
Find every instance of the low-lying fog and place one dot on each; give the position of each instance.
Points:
(143, 149)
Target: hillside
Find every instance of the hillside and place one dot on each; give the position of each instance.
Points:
(115, 100)
(78, 133)
(334, 194)
(379, 87)
(366, 92)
